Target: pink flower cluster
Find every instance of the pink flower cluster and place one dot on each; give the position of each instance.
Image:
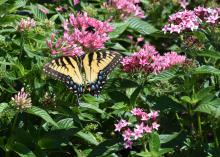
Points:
(192, 19)
(145, 124)
(208, 15)
(81, 34)
(22, 100)
(26, 24)
(128, 7)
(149, 60)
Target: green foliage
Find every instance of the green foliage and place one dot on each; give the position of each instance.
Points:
(187, 95)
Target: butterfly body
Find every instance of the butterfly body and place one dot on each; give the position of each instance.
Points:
(85, 73)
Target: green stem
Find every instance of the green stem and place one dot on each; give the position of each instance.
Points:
(145, 147)
(199, 125)
(179, 120)
(216, 138)
(14, 123)
(191, 118)
(7, 152)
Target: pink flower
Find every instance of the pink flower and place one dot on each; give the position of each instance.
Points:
(155, 125)
(149, 60)
(59, 8)
(140, 39)
(128, 144)
(26, 24)
(128, 7)
(138, 128)
(180, 21)
(153, 114)
(145, 117)
(183, 3)
(191, 19)
(121, 124)
(127, 134)
(147, 129)
(43, 9)
(75, 2)
(208, 15)
(137, 111)
(137, 134)
(22, 100)
(81, 34)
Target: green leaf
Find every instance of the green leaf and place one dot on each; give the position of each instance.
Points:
(209, 53)
(66, 123)
(38, 14)
(118, 96)
(3, 106)
(164, 138)
(3, 1)
(147, 154)
(165, 151)
(119, 47)
(20, 149)
(206, 69)
(135, 94)
(119, 28)
(88, 137)
(91, 106)
(105, 148)
(51, 143)
(163, 76)
(141, 26)
(211, 107)
(41, 113)
(154, 142)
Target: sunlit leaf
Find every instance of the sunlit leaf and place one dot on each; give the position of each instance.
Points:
(41, 113)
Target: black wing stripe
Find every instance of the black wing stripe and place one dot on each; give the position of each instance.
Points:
(90, 58)
(98, 57)
(69, 61)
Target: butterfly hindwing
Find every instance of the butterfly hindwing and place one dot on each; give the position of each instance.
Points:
(97, 66)
(67, 70)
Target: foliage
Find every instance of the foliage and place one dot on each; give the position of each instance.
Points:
(187, 95)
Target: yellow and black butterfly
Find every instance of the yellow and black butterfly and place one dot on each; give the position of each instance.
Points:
(88, 72)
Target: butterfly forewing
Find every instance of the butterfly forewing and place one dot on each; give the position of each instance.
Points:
(97, 66)
(67, 70)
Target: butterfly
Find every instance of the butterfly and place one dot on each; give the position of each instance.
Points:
(84, 73)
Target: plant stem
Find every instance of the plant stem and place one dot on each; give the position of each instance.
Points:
(199, 126)
(14, 123)
(145, 147)
(179, 120)
(216, 138)
(7, 152)
(191, 119)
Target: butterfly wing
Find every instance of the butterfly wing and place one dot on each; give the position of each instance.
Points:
(67, 70)
(97, 66)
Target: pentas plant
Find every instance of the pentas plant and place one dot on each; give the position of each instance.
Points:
(190, 20)
(127, 7)
(81, 34)
(144, 124)
(22, 100)
(148, 60)
(26, 24)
